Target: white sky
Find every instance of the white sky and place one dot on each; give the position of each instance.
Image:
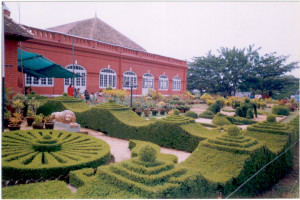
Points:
(181, 30)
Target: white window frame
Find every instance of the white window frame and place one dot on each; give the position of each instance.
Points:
(107, 77)
(80, 71)
(38, 82)
(150, 79)
(176, 84)
(132, 77)
(163, 82)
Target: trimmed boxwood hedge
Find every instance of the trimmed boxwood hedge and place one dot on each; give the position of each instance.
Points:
(281, 110)
(49, 153)
(44, 190)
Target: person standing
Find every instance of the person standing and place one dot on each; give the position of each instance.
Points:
(87, 96)
(71, 90)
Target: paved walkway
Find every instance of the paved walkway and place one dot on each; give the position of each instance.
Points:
(119, 147)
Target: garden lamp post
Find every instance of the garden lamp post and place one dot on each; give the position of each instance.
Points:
(130, 84)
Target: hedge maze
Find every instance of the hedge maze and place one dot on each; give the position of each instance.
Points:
(49, 153)
(220, 161)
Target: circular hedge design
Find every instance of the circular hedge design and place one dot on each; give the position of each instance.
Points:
(49, 153)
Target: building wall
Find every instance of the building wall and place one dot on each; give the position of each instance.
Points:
(94, 56)
(12, 76)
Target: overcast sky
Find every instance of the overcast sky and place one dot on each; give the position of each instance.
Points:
(181, 30)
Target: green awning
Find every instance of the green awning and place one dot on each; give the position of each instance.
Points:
(39, 66)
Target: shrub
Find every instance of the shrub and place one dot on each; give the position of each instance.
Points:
(238, 112)
(65, 94)
(220, 120)
(280, 110)
(49, 153)
(215, 107)
(148, 154)
(233, 130)
(271, 118)
(191, 114)
(176, 112)
(208, 114)
(249, 113)
(79, 178)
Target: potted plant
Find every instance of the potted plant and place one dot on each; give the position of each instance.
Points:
(146, 112)
(49, 124)
(29, 117)
(18, 105)
(15, 122)
(33, 105)
(38, 122)
(154, 111)
(7, 115)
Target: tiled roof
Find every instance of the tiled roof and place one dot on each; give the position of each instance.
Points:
(96, 29)
(12, 29)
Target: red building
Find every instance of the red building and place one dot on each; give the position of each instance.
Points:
(103, 57)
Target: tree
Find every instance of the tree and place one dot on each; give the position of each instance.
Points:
(268, 73)
(224, 73)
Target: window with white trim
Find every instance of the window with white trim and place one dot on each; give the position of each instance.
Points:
(163, 82)
(176, 83)
(108, 77)
(131, 78)
(36, 81)
(148, 81)
(79, 81)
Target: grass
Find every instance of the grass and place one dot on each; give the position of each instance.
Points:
(291, 116)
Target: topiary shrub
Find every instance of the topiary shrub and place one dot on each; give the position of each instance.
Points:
(220, 120)
(271, 118)
(208, 114)
(148, 154)
(65, 94)
(233, 130)
(191, 114)
(215, 107)
(280, 110)
(176, 112)
(49, 153)
(249, 113)
(238, 112)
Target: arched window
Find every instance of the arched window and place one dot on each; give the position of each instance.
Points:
(163, 82)
(148, 83)
(176, 83)
(129, 78)
(80, 82)
(108, 77)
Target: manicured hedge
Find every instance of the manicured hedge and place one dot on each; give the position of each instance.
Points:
(81, 177)
(124, 123)
(220, 120)
(49, 153)
(44, 190)
(136, 145)
(280, 110)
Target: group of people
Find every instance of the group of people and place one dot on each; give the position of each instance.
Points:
(86, 96)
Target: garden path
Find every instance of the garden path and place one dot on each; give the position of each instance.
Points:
(119, 147)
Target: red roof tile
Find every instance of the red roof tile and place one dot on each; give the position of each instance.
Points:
(96, 29)
(12, 29)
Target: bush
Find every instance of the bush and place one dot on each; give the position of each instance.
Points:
(176, 112)
(65, 94)
(238, 112)
(233, 130)
(220, 120)
(191, 114)
(208, 114)
(49, 153)
(280, 110)
(215, 107)
(271, 118)
(148, 154)
(79, 178)
(249, 113)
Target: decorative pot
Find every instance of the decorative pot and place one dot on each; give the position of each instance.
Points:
(146, 112)
(29, 120)
(38, 125)
(154, 112)
(13, 128)
(49, 125)
(162, 112)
